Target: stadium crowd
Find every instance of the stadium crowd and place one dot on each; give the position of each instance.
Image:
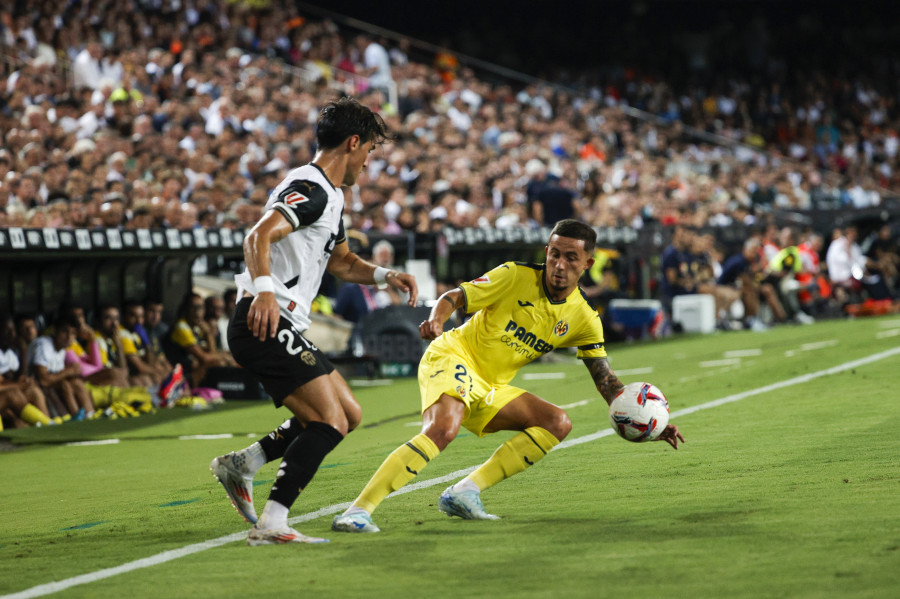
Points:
(149, 113)
(161, 114)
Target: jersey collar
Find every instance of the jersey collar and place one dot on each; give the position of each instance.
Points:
(547, 291)
(324, 175)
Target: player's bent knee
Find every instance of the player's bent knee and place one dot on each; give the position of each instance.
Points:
(353, 413)
(560, 425)
(440, 436)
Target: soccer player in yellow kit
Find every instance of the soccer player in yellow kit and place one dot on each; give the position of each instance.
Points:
(522, 311)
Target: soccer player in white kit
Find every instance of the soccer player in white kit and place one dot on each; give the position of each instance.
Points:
(300, 235)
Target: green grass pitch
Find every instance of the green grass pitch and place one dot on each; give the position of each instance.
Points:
(789, 489)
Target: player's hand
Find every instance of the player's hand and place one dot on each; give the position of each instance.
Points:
(671, 435)
(264, 315)
(404, 282)
(431, 329)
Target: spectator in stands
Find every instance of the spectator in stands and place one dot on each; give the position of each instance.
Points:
(555, 201)
(47, 360)
(600, 283)
(884, 257)
(782, 272)
(192, 343)
(677, 278)
(85, 350)
(156, 331)
(846, 266)
(743, 271)
(355, 300)
(143, 364)
(376, 63)
(18, 393)
(706, 264)
(213, 313)
(851, 272)
(109, 342)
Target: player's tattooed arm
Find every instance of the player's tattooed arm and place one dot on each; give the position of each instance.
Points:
(606, 381)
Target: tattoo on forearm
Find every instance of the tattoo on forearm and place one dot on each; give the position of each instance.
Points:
(449, 299)
(606, 381)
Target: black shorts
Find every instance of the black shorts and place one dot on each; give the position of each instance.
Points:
(282, 363)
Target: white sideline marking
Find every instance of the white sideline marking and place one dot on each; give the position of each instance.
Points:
(725, 362)
(583, 402)
(743, 353)
(819, 345)
(205, 437)
(173, 554)
(542, 376)
(88, 443)
(886, 324)
(634, 371)
(885, 334)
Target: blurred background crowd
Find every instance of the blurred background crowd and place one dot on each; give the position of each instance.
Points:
(152, 113)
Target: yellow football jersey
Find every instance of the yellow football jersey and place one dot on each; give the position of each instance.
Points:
(516, 322)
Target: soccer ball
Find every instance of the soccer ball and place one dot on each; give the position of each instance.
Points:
(639, 412)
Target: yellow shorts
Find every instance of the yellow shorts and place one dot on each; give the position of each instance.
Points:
(451, 373)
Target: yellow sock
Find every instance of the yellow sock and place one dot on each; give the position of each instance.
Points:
(514, 456)
(32, 415)
(397, 469)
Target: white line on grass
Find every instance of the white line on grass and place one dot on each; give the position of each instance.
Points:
(633, 371)
(89, 443)
(819, 345)
(888, 333)
(583, 402)
(173, 554)
(725, 362)
(205, 437)
(743, 353)
(886, 324)
(543, 376)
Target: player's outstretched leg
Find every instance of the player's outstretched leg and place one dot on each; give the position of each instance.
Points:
(525, 449)
(236, 470)
(301, 460)
(397, 470)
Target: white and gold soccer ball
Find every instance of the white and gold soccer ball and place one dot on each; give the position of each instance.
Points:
(640, 412)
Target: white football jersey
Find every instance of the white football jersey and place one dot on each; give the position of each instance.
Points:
(314, 207)
(42, 353)
(9, 362)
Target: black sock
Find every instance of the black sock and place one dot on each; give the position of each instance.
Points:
(302, 459)
(276, 443)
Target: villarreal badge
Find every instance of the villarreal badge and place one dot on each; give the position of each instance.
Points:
(562, 327)
(461, 390)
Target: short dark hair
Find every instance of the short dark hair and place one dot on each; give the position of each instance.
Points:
(345, 117)
(575, 229)
(66, 320)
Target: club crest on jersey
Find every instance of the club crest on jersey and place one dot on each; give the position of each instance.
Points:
(562, 327)
(308, 358)
(482, 279)
(291, 306)
(461, 390)
(294, 198)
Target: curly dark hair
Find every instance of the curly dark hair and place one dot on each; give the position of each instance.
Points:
(342, 118)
